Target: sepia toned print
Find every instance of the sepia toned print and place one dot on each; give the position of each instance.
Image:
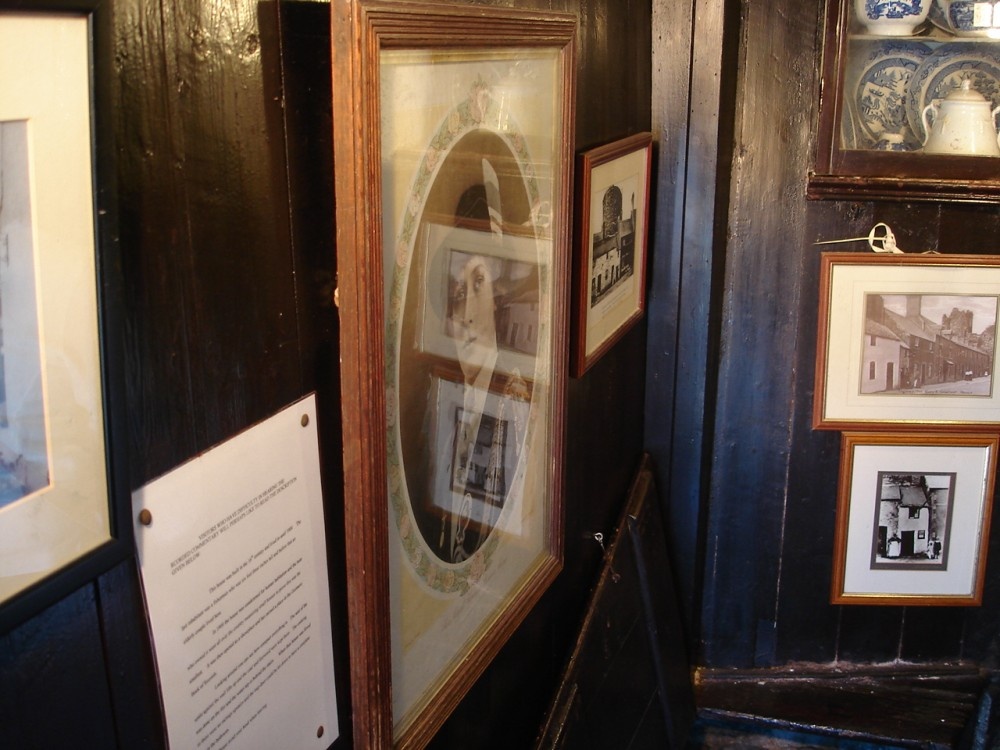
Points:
(923, 344)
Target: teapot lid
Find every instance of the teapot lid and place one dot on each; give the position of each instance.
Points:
(965, 93)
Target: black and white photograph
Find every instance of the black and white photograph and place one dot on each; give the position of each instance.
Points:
(613, 260)
(906, 339)
(24, 463)
(478, 447)
(478, 304)
(912, 520)
(494, 298)
(609, 275)
(926, 344)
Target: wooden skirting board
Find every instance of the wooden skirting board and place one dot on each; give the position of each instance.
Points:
(895, 705)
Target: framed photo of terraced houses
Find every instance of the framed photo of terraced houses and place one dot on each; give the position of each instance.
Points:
(907, 340)
(913, 518)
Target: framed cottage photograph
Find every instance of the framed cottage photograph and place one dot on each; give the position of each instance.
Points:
(609, 282)
(63, 476)
(913, 518)
(907, 340)
(453, 132)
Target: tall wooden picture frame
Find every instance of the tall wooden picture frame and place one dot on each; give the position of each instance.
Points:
(453, 140)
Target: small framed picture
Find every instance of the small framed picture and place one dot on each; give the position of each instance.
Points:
(913, 518)
(907, 339)
(609, 284)
(502, 267)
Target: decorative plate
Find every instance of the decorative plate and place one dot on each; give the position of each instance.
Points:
(944, 70)
(880, 91)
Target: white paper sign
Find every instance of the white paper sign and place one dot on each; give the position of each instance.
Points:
(233, 565)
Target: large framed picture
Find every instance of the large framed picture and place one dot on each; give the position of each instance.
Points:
(907, 339)
(609, 281)
(453, 135)
(63, 476)
(913, 517)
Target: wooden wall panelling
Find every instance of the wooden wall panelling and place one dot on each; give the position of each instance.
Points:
(864, 634)
(947, 624)
(308, 140)
(240, 312)
(155, 266)
(55, 684)
(627, 684)
(774, 480)
(982, 636)
(758, 340)
(806, 531)
(204, 226)
(691, 120)
(128, 660)
(808, 628)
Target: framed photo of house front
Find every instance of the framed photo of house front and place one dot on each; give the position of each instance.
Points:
(453, 132)
(609, 280)
(907, 340)
(913, 518)
(63, 476)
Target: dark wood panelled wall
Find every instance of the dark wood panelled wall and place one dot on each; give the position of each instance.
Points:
(225, 181)
(752, 487)
(225, 187)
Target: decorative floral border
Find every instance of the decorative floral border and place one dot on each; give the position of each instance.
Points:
(469, 115)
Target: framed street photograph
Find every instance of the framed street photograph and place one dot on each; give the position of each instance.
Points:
(609, 283)
(63, 476)
(453, 132)
(907, 340)
(913, 518)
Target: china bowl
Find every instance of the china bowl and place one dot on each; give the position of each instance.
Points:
(892, 17)
(969, 18)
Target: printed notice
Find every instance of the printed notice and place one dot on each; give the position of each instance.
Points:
(233, 562)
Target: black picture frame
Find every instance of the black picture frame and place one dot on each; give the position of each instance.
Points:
(61, 579)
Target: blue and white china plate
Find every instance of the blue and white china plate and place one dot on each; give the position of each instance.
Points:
(879, 97)
(944, 70)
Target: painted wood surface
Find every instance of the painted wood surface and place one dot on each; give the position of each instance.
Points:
(770, 490)
(226, 211)
(225, 178)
